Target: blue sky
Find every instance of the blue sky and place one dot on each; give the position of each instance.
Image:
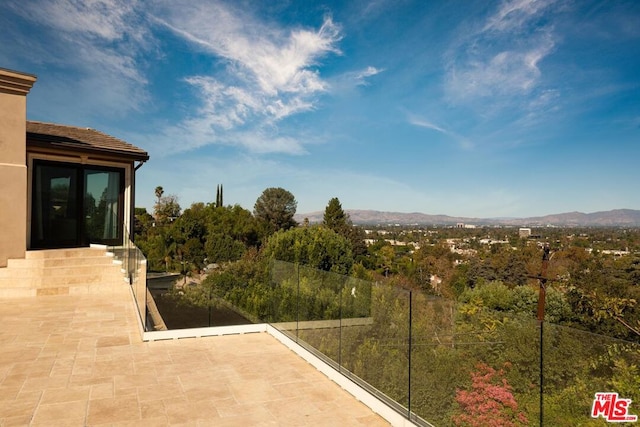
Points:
(480, 109)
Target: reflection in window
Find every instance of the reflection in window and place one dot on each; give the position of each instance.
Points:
(101, 204)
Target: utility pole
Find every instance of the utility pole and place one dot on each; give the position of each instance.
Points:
(542, 278)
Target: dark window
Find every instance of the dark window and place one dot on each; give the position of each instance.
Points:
(75, 205)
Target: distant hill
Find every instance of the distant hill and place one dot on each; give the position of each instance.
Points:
(612, 218)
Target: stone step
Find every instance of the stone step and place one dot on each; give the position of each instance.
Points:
(119, 289)
(44, 281)
(60, 271)
(67, 253)
(17, 292)
(19, 283)
(74, 271)
(93, 260)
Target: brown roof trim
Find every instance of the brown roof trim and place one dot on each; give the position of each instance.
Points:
(16, 82)
(87, 140)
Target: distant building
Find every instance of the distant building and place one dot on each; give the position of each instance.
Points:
(463, 225)
(524, 232)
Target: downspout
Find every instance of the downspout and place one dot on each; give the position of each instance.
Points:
(139, 165)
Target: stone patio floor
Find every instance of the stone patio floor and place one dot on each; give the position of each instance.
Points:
(79, 361)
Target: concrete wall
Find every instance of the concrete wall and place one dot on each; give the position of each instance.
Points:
(14, 87)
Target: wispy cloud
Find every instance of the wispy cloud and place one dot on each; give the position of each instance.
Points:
(100, 42)
(359, 78)
(500, 62)
(346, 83)
(426, 124)
(271, 73)
(101, 19)
(514, 15)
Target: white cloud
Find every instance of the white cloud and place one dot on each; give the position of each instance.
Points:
(360, 77)
(270, 74)
(500, 61)
(100, 41)
(345, 83)
(513, 15)
(103, 19)
(427, 124)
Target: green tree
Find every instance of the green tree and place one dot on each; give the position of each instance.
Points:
(276, 207)
(235, 222)
(334, 217)
(316, 247)
(159, 192)
(219, 197)
(166, 208)
(339, 221)
(143, 221)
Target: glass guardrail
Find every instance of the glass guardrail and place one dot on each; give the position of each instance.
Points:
(134, 266)
(432, 358)
(451, 363)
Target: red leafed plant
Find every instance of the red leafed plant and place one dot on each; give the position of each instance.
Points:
(489, 403)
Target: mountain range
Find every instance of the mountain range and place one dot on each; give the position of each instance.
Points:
(612, 218)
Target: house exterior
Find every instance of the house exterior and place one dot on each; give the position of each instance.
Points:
(62, 186)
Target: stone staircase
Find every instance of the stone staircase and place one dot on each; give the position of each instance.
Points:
(76, 271)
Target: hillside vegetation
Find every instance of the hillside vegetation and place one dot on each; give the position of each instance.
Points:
(474, 308)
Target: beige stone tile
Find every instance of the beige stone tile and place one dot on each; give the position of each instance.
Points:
(72, 413)
(254, 391)
(22, 406)
(133, 380)
(33, 368)
(189, 412)
(101, 391)
(299, 408)
(372, 420)
(60, 395)
(15, 380)
(85, 350)
(158, 392)
(113, 410)
(111, 341)
(112, 368)
(129, 392)
(18, 421)
(151, 409)
(9, 392)
(80, 380)
(258, 413)
(158, 421)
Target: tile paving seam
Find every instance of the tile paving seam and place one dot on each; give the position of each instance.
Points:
(89, 351)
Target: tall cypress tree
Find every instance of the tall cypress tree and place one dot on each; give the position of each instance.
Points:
(219, 195)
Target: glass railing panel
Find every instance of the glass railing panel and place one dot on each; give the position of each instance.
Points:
(321, 296)
(134, 266)
(357, 320)
(461, 353)
(439, 358)
(376, 350)
(283, 303)
(577, 365)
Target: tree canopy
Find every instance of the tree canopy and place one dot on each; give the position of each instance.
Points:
(334, 217)
(276, 207)
(316, 247)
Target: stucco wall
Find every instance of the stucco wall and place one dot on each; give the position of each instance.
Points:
(14, 87)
